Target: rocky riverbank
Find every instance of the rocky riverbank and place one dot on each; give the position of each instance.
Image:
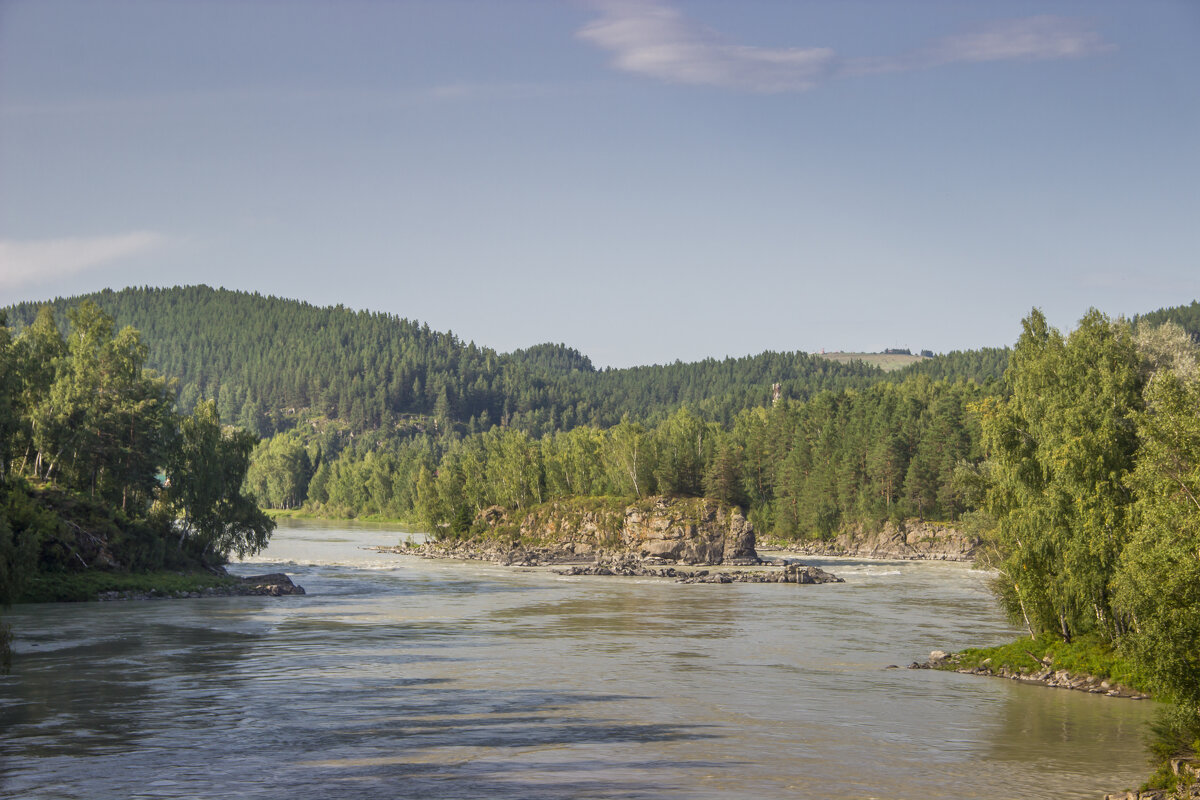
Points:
(789, 573)
(623, 565)
(275, 584)
(1191, 792)
(911, 540)
(1046, 675)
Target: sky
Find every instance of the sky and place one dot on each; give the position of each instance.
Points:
(646, 181)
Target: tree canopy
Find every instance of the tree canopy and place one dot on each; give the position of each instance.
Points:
(1093, 477)
(268, 362)
(87, 436)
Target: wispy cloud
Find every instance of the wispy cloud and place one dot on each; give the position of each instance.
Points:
(656, 40)
(42, 260)
(1040, 38)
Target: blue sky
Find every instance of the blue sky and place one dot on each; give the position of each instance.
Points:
(646, 181)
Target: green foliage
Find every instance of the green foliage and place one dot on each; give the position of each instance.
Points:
(32, 537)
(1084, 655)
(206, 469)
(553, 358)
(10, 399)
(1174, 733)
(1187, 317)
(1093, 480)
(983, 366)
(1060, 450)
(1169, 347)
(280, 471)
(723, 475)
(84, 431)
(683, 445)
(95, 420)
(801, 469)
(861, 458)
(268, 362)
(381, 399)
(1158, 585)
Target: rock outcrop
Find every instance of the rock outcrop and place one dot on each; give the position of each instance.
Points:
(655, 531)
(275, 584)
(689, 532)
(909, 541)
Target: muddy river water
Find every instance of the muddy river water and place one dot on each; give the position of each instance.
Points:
(397, 677)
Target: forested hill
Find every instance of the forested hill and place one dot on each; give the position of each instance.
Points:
(553, 358)
(266, 359)
(1187, 317)
(982, 366)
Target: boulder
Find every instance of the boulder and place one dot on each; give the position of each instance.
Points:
(274, 584)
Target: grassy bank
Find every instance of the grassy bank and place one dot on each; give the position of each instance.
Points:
(1082, 656)
(84, 586)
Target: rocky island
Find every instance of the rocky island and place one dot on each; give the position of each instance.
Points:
(652, 537)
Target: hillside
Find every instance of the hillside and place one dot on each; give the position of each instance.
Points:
(270, 362)
(267, 361)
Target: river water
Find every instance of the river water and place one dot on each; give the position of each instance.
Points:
(397, 677)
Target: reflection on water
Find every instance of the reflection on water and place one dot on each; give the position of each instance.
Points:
(397, 677)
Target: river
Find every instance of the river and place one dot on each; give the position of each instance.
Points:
(397, 677)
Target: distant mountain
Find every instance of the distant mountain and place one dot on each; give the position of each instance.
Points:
(268, 360)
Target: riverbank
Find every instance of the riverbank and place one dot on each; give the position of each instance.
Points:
(789, 573)
(1190, 792)
(912, 540)
(1086, 664)
(101, 585)
(1044, 673)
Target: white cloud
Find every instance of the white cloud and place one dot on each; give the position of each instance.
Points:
(39, 261)
(658, 41)
(655, 40)
(1028, 39)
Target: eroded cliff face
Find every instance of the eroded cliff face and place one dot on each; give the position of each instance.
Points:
(692, 531)
(910, 540)
(665, 530)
